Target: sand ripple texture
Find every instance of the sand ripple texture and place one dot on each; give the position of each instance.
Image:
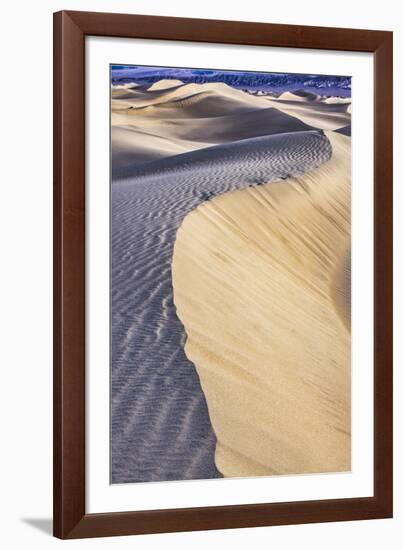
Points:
(160, 424)
(264, 296)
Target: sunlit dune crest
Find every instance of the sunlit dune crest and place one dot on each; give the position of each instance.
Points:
(165, 84)
(299, 95)
(169, 118)
(158, 407)
(230, 270)
(261, 285)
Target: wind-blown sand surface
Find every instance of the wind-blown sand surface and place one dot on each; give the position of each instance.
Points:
(174, 147)
(261, 285)
(160, 424)
(170, 118)
(315, 111)
(165, 84)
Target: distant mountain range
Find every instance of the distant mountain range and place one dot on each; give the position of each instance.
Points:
(324, 85)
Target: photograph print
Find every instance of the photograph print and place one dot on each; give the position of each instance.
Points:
(230, 274)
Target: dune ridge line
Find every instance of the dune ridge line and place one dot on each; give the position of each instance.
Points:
(259, 285)
(158, 407)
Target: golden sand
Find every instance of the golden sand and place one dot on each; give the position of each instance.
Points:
(258, 286)
(170, 118)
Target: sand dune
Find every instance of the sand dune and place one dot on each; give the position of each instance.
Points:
(142, 143)
(175, 147)
(339, 100)
(316, 113)
(125, 92)
(134, 146)
(170, 118)
(242, 125)
(346, 130)
(187, 91)
(299, 95)
(341, 287)
(165, 84)
(260, 281)
(161, 429)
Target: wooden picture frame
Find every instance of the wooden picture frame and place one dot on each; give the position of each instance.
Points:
(70, 517)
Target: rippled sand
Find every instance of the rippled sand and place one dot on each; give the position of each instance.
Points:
(174, 148)
(261, 285)
(160, 424)
(169, 119)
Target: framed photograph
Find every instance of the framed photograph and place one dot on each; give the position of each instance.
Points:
(222, 272)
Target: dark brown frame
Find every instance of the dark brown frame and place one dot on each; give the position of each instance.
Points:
(70, 517)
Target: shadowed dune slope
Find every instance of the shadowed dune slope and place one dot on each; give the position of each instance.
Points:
(145, 142)
(160, 424)
(171, 118)
(346, 130)
(260, 286)
(317, 113)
